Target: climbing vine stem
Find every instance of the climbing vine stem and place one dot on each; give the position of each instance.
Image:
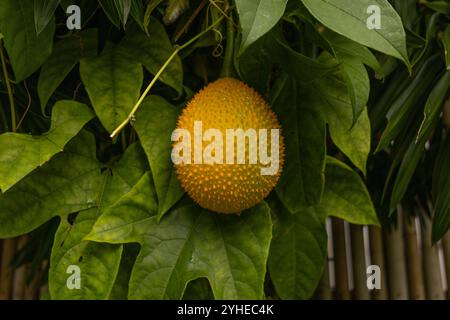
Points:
(227, 67)
(158, 74)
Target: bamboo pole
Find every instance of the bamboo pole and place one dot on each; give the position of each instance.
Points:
(446, 248)
(19, 282)
(395, 260)
(9, 249)
(377, 258)
(340, 260)
(359, 263)
(413, 259)
(432, 270)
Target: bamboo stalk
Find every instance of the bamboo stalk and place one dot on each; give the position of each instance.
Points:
(340, 260)
(359, 263)
(19, 282)
(395, 260)
(413, 260)
(323, 291)
(432, 270)
(9, 248)
(377, 258)
(446, 248)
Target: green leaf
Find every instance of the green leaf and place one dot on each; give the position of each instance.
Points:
(123, 8)
(137, 12)
(68, 183)
(152, 4)
(152, 51)
(99, 262)
(408, 102)
(66, 54)
(155, 122)
(434, 104)
(345, 195)
(27, 51)
(257, 18)
(331, 98)
(298, 252)
(446, 43)
(43, 13)
(22, 153)
(110, 9)
(300, 67)
(346, 46)
(410, 147)
(349, 18)
(357, 82)
(113, 83)
(439, 6)
(302, 180)
(255, 66)
(352, 57)
(190, 243)
(441, 192)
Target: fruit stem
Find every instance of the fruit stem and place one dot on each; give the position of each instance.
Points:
(158, 74)
(227, 68)
(8, 87)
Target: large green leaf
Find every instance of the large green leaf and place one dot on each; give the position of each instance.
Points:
(27, 51)
(43, 13)
(331, 98)
(98, 262)
(155, 122)
(346, 46)
(357, 81)
(189, 243)
(68, 183)
(301, 182)
(298, 252)
(257, 18)
(66, 54)
(152, 51)
(113, 83)
(352, 57)
(345, 195)
(349, 18)
(255, 66)
(300, 67)
(441, 191)
(22, 153)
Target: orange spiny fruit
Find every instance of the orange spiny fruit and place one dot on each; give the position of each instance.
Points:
(226, 185)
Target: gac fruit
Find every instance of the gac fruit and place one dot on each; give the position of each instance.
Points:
(231, 145)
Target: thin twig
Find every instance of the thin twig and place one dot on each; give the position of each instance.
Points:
(190, 20)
